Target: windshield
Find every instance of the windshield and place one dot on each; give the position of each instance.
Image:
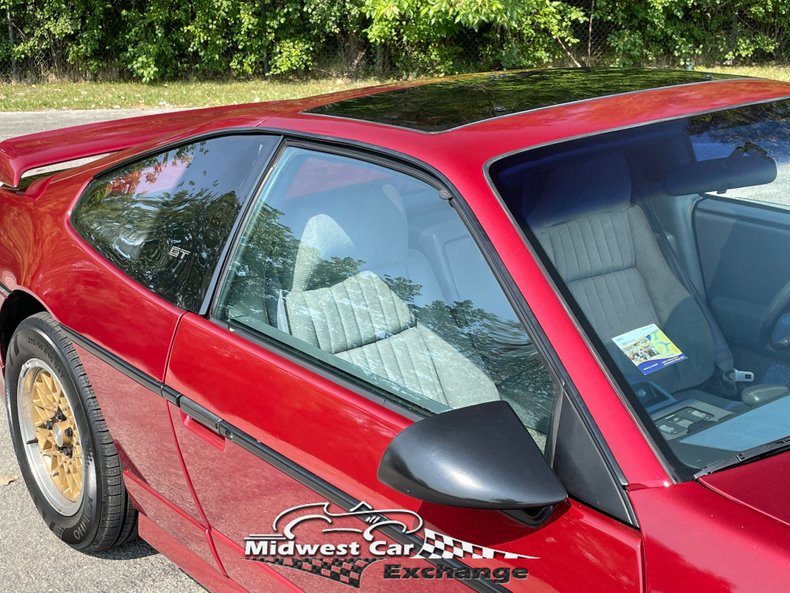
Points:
(670, 242)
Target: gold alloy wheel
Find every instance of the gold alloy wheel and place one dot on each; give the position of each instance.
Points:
(51, 436)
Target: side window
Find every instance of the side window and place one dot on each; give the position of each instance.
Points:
(368, 270)
(164, 220)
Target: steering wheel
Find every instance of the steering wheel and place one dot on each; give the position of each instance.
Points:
(778, 305)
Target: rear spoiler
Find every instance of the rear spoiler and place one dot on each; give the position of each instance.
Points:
(24, 153)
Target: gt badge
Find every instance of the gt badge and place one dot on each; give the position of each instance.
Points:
(177, 252)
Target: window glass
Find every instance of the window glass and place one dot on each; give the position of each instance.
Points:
(164, 220)
(375, 275)
(684, 295)
(722, 134)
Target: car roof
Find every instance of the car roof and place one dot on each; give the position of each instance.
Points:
(470, 147)
(550, 106)
(446, 104)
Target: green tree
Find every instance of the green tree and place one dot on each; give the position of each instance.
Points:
(452, 35)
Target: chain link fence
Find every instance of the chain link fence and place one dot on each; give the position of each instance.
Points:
(593, 33)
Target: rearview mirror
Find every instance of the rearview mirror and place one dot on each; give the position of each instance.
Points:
(480, 456)
(747, 166)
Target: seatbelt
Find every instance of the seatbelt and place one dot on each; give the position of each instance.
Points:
(722, 355)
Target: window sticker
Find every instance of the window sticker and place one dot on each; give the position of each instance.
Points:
(649, 348)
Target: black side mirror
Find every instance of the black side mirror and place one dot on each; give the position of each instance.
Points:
(480, 457)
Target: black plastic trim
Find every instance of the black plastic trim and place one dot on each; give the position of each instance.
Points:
(205, 417)
(4, 290)
(114, 361)
(171, 395)
(486, 440)
(581, 465)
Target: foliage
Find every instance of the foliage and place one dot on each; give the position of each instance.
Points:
(695, 31)
(445, 36)
(154, 40)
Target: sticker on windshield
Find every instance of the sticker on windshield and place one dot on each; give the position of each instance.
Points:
(649, 348)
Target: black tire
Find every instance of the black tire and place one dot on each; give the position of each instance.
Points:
(103, 516)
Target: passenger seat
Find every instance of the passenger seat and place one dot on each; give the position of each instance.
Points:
(605, 251)
(361, 319)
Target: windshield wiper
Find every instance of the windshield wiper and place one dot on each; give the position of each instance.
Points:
(748, 455)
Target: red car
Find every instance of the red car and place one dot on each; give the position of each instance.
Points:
(525, 331)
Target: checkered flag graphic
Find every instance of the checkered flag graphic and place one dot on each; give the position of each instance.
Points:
(343, 570)
(438, 545)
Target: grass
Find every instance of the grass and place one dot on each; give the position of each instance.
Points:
(775, 72)
(122, 95)
(118, 95)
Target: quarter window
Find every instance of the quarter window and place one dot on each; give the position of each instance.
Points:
(369, 271)
(165, 219)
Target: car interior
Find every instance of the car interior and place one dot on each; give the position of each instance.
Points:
(383, 275)
(669, 242)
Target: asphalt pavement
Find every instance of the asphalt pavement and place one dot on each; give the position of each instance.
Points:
(32, 559)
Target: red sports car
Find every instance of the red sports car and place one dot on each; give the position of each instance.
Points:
(525, 331)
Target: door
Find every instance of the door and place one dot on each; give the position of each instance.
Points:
(353, 303)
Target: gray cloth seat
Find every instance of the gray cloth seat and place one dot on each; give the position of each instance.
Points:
(347, 284)
(366, 223)
(322, 233)
(604, 249)
(360, 318)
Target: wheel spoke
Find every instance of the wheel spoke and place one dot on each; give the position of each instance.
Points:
(53, 428)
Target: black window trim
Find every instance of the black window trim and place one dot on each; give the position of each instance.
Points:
(416, 168)
(676, 469)
(161, 149)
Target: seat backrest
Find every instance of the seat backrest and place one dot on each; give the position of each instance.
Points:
(606, 253)
(320, 241)
(332, 231)
(360, 318)
(362, 321)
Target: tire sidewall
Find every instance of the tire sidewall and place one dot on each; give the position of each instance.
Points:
(33, 339)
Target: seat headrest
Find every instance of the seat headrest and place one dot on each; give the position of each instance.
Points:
(597, 184)
(365, 223)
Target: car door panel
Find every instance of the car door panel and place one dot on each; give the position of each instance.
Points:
(172, 547)
(253, 576)
(742, 250)
(191, 533)
(275, 491)
(333, 436)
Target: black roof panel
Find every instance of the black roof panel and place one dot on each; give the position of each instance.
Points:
(446, 104)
